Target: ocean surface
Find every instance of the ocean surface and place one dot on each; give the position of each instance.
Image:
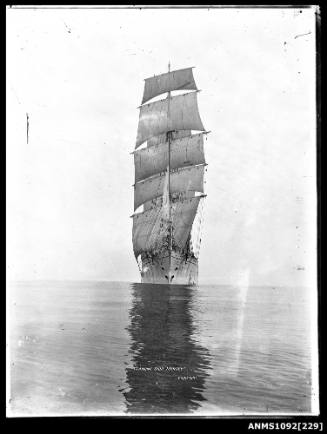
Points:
(115, 348)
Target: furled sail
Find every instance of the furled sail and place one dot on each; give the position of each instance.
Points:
(181, 79)
(183, 179)
(150, 227)
(187, 151)
(163, 137)
(183, 115)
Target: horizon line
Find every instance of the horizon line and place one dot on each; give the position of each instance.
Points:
(205, 283)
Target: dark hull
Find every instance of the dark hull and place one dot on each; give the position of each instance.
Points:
(180, 271)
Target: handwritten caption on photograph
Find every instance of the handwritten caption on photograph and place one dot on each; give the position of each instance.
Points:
(172, 369)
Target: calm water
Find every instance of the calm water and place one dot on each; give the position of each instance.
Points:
(119, 348)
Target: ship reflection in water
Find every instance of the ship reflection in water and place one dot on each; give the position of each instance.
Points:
(112, 348)
(169, 367)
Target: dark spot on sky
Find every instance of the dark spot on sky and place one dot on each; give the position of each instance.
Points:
(302, 34)
(68, 29)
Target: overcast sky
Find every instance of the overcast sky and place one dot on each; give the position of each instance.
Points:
(79, 75)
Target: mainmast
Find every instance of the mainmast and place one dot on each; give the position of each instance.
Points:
(169, 208)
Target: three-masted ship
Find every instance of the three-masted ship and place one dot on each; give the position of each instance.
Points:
(169, 176)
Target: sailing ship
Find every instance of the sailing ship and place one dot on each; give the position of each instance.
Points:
(169, 166)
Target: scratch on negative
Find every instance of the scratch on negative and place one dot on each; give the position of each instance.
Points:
(303, 34)
(27, 126)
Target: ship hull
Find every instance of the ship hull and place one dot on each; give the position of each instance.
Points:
(179, 270)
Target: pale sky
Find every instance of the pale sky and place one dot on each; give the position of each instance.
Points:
(79, 75)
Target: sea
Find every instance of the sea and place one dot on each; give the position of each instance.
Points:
(123, 349)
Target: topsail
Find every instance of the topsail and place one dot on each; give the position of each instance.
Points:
(154, 119)
(182, 180)
(187, 151)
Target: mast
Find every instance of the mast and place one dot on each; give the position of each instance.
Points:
(169, 208)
